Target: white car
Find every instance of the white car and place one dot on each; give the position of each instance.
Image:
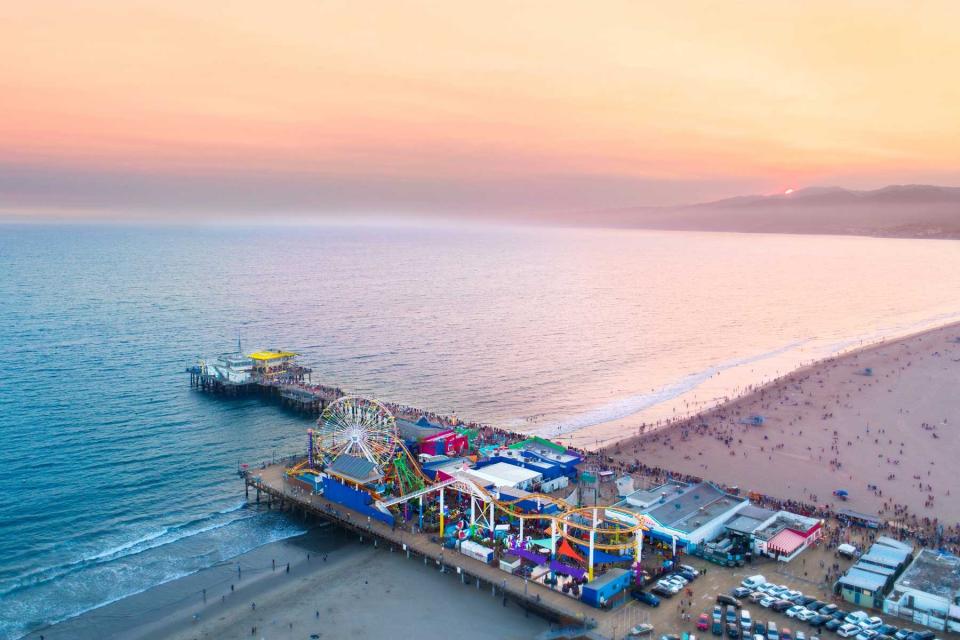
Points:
(799, 635)
(753, 582)
(794, 610)
(767, 601)
(866, 634)
(871, 623)
(805, 615)
(856, 618)
(848, 630)
(757, 596)
(791, 594)
(672, 587)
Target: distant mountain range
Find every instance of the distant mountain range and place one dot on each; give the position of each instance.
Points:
(902, 211)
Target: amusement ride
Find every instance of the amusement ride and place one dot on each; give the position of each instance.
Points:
(357, 441)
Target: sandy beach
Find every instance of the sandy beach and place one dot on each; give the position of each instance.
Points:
(879, 422)
(342, 589)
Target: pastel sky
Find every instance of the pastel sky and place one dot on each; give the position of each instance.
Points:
(238, 107)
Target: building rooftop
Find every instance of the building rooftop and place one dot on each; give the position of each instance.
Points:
(271, 355)
(643, 498)
(934, 573)
(786, 520)
(693, 507)
(875, 568)
(607, 578)
(863, 580)
(414, 431)
(885, 556)
(503, 474)
(749, 519)
(357, 469)
(887, 541)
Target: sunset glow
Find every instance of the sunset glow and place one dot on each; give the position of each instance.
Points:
(444, 106)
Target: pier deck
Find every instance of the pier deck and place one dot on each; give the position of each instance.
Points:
(272, 482)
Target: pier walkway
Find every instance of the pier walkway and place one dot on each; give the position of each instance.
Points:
(271, 484)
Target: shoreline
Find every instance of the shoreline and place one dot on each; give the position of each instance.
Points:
(332, 592)
(816, 431)
(663, 416)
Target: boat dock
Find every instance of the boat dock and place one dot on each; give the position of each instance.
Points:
(271, 484)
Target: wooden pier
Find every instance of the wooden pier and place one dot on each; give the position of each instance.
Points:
(292, 393)
(270, 484)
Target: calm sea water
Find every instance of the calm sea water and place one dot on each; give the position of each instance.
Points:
(116, 476)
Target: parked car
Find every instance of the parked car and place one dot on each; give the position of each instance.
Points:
(902, 634)
(645, 597)
(786, 634)
(689, 576)
(826, 609)
(921, 635)
(872, 623)
(791, 594)
(717, 612)
(727, 600)
(793, 611)
(746, 620)
(759, 628)
(856, 618)
(772, 633)
(767, 601)
(759, 636)
(689, 569)
(781, 605)
(703, 622)
(832, 624)
(805, 600)
(839, 614)
(886, 629)
(663, 592)
(731, 616)
(818, 620)
(753, 582)
(799, 635)
(866, 634)
(848, 630)
(756, 596)
(740, 592)
(733, 631)
(806, 615)
(716, 628)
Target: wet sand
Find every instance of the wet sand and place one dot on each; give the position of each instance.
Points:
(832, 425)
(358, 591)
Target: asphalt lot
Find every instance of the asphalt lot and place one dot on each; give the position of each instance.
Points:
(803, 574)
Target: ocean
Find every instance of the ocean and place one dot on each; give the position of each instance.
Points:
(117, 476)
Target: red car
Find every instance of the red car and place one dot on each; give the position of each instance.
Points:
(703, 622)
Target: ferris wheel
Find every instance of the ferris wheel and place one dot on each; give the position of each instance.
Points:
(357, 427)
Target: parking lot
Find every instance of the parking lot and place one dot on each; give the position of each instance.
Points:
(804, 574)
